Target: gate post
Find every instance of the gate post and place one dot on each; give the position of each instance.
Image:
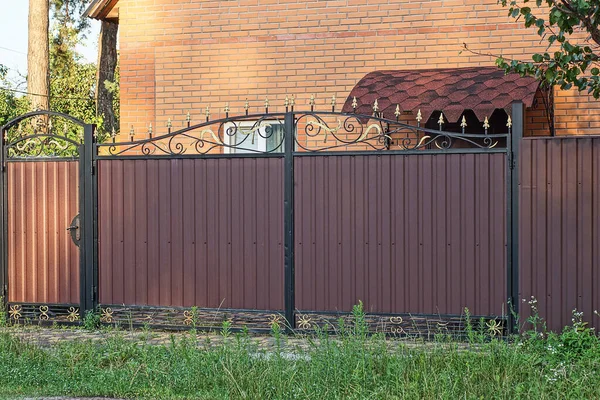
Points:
(512, 278)
(3, 225)
(288, 217)
(86, 204)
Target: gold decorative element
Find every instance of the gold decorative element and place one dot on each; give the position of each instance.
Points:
(326, 128)
(419, 117)
(441, 120)
(311, 101)
(304, 322)
(207, 112)
(106, 315)
(44, 313)
(509, 122)
(226, 109)
(333, 100)
(423, 139)
(169, 123)
(486, 123)
(266, 102)
(188, 118)
(26, 144)
(494, 327)
(73, 314)
(246, 105)
(354, 103)
(286, 102)
(131, 132)
(377, 127)
(113, 134)
(150, 129)
(275, 319)
(293, 101)
(15, 312)
(396, 328)
(397, 112)
(212, 133)
(463, 123)
(376, 106)
(188, 317)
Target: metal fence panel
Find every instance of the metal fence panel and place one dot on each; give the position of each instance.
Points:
(560, 228)
(192, 232)
(404, 234)
(43, 262)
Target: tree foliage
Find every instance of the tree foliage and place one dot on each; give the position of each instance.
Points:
(570, 29)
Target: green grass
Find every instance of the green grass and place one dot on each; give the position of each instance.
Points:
(352, 365)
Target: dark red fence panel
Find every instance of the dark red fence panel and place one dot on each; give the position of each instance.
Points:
(43, 262)
(193, 232)
(560, 228)
(403, 233)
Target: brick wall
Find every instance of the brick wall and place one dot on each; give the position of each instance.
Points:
(181, 55)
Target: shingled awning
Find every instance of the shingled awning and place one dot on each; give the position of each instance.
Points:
(450, 90)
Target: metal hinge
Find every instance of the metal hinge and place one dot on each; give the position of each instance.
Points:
(511, 160)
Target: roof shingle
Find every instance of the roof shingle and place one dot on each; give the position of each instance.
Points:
(450, 90)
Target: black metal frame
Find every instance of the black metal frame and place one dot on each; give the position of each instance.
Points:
(353, 134)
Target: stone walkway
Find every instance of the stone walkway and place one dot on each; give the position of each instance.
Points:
(48, 336)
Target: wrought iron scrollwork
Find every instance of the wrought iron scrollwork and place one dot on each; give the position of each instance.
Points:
(229, 135)
(331, 131)
(312, 131)
(42, 134)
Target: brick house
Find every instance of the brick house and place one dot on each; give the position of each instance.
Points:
(181, 56)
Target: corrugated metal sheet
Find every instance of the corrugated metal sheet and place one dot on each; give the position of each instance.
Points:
(560, 227)
(43, 262)
(414, 233)
(196, 232)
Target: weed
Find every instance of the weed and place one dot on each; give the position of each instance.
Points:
(3, 313)
(91, 320)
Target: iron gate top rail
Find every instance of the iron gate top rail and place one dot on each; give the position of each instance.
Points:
(328, 132)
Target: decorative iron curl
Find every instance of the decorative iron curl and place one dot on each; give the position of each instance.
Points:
(203, 138)
(38, 145)
(347, 131)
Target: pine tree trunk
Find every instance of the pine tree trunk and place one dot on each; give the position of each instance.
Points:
(38, 80)
(107, 61)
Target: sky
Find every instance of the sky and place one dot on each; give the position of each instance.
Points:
(13, 39)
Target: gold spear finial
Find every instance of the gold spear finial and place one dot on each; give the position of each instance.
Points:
(286, 102)
(441, 120)
(333, 100)
(419, 117)
(207, 112)
(266, 102)
(486, 124)
(169, 123)
(354, 103)
(150, 129)
(376, 106)
(246, 105)
(463, 123)
(397, 112)
(226, 109)
(188, 118)
(509, 122)
(113, 134)
(293, 101)
(311, 102)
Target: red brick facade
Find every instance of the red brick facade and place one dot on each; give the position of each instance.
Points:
(181, 55)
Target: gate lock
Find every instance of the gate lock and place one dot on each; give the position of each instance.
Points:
(75, 231)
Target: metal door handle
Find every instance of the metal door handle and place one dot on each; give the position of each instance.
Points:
(72, 228)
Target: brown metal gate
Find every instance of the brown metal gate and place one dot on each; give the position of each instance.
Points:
(45, 270)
